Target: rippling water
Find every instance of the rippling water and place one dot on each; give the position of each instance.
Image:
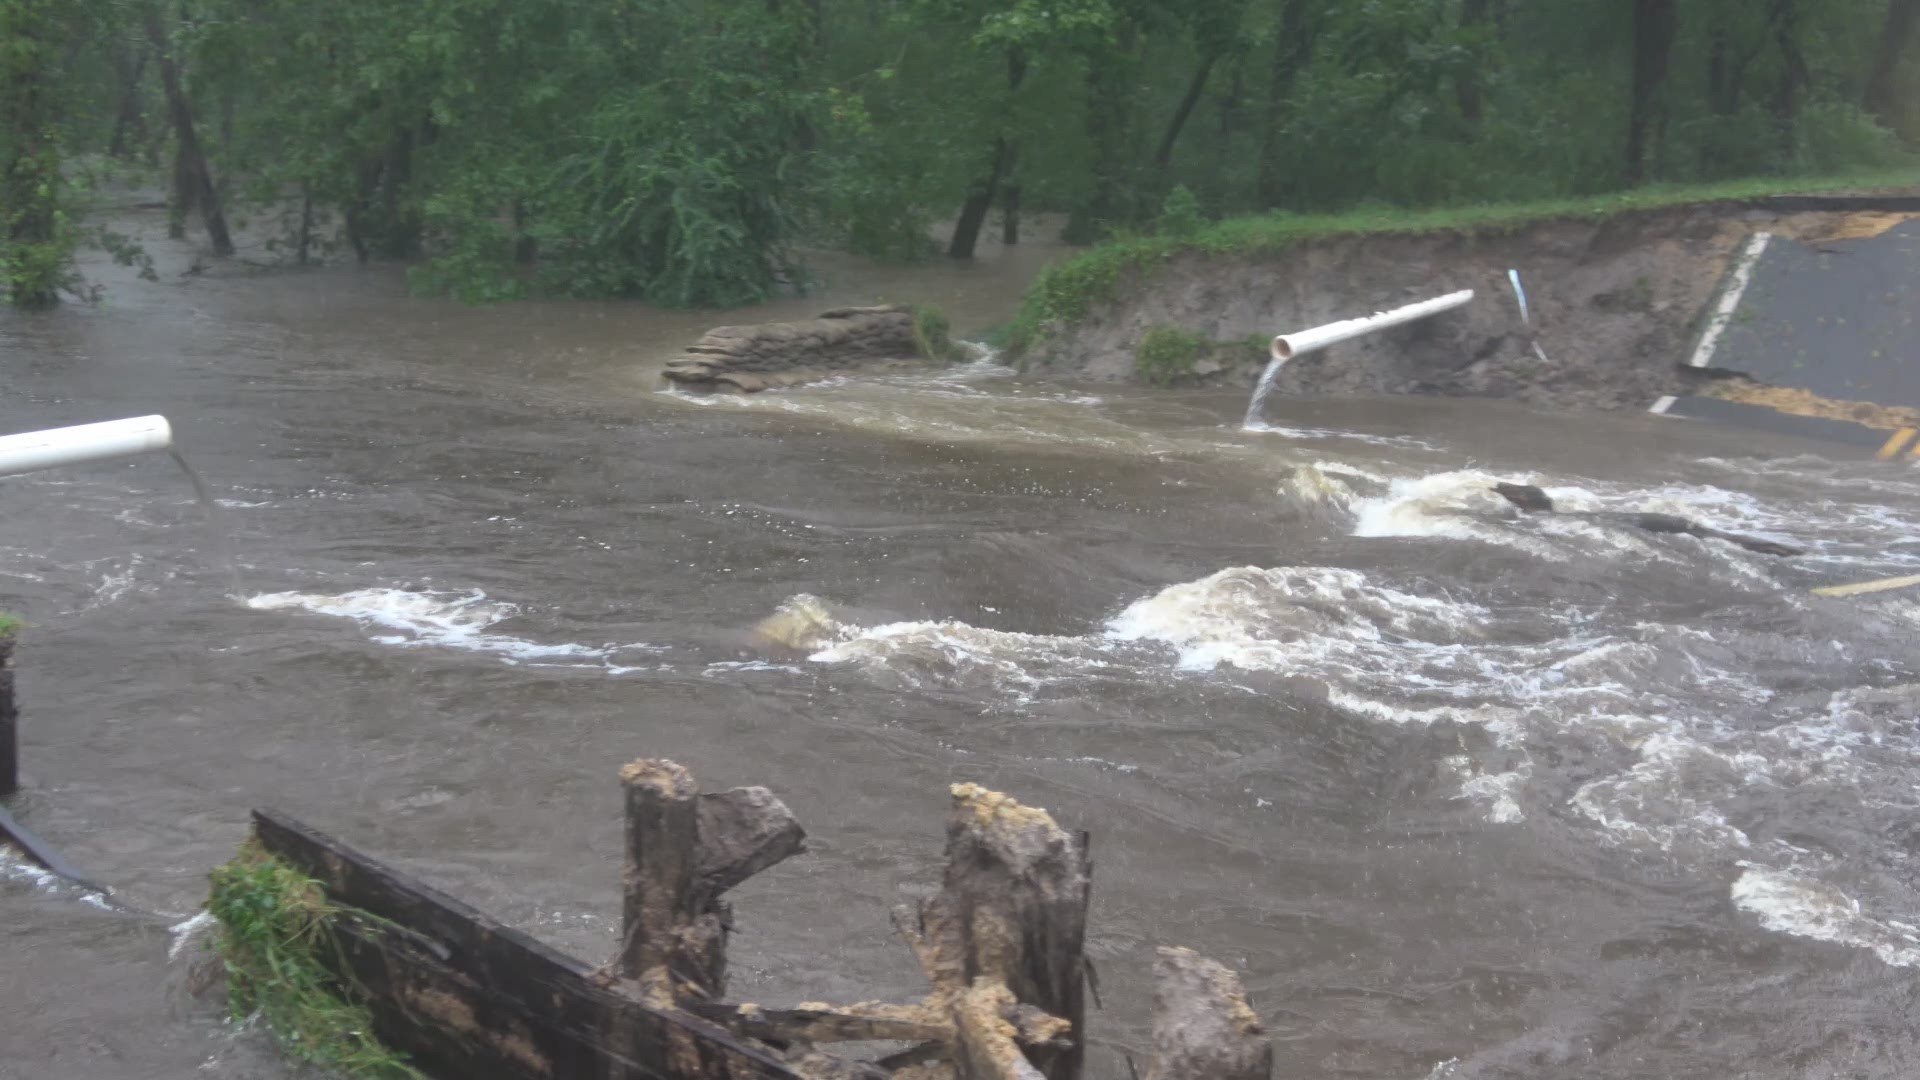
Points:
(1464, 794)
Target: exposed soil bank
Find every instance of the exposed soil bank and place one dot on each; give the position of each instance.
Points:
(1616, 303)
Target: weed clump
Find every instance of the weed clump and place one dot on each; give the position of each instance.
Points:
(1168, 354)
(933, 335)
(275, 928)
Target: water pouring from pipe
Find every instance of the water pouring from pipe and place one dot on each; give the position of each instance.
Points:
(82, 444)
(1287, 346)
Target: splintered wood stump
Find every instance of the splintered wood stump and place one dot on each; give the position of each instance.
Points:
(684, 850)
(753, 358)
(1008, 930)
(1203, 1028)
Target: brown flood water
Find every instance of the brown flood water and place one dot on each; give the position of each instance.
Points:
(1461, 796)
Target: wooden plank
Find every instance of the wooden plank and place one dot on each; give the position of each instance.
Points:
(466, 996)
(1864, 587)
(39, 852)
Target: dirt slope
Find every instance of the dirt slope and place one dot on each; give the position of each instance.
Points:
(1616, 304)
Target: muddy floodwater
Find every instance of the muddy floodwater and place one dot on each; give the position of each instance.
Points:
(1462, 796)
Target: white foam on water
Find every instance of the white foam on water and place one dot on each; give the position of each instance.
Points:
(1496, 794)
(1287, 618)
(16, 869)
(1458, 505)
(723, 667)
(1789, 903)
(956, 653)
(439, 619)
(186, 931)
(1398, 442)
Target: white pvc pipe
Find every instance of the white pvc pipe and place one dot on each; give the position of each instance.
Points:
(31, 451)
(1288, 346)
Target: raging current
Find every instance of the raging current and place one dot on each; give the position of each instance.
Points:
(1461, 792)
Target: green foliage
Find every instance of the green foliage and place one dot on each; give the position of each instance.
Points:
(933, 335)
(11, 624)
(275, 926)
(37, 237)
(1168, 354)
(682, 150)
(1180, 214)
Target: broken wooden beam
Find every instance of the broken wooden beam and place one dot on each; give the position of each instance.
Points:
(465, 996)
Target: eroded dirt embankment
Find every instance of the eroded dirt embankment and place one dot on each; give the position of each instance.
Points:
(1616, 305)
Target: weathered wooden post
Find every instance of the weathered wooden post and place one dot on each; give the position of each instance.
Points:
(1203, 1028)
(9, 721)
(1003, 941)
(684, 850)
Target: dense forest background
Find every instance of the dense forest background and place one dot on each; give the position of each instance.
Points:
(679, 150)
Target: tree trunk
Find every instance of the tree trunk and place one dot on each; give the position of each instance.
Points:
(130, 123)
(1654, 25)
(1783, 18)
(1467, 89)
(1882, 98)
(1109, 101)
(192, 177)
(402, 226)
(1233, 102)
(1010, 215)
(306, 222)
(1292, 52)
(1163, 156)
(973, 213)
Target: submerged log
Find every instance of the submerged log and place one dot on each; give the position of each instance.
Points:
(754, 358)
(1532, 500)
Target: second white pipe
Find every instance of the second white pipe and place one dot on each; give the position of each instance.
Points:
(31, 451)
(1288, 346)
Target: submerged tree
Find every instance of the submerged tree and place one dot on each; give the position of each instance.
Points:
(681, 150)
(36, 244)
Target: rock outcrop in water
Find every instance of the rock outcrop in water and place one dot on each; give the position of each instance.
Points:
(752, 358)
(1532, 500)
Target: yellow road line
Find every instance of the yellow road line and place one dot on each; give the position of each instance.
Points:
(1868, 586)
(1897, 443)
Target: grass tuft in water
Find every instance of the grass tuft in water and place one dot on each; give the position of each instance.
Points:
(275, 925)
(11, 625)
(933, 335)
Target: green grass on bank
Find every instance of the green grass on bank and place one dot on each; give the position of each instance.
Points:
(276, 928)
(1066, 292)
